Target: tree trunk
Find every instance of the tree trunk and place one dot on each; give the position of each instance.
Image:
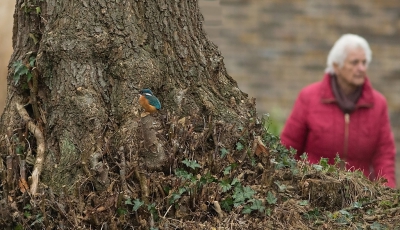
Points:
(75, 110)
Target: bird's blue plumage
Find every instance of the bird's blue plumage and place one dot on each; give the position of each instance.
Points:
(153, 101)
(151, 98)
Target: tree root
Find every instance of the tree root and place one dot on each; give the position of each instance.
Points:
(122, 170)
(40, 151)
(143, 185)
(218, 209)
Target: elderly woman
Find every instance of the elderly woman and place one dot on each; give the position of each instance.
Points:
(344, 115)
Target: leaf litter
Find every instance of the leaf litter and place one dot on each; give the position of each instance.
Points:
(217, 177)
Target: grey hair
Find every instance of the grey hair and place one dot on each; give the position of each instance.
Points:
(341, 48)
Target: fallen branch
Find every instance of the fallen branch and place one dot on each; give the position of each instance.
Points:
(40, 151)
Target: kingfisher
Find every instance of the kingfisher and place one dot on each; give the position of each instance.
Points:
(148, 101)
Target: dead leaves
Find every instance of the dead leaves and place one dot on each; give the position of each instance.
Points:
(259, 149)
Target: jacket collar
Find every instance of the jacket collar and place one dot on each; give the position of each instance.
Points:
(366, 99)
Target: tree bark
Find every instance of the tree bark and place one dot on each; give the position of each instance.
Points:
(91, 57)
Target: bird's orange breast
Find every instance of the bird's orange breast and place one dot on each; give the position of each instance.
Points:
(146, 105)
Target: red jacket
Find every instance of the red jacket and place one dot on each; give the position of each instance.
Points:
(363, 139)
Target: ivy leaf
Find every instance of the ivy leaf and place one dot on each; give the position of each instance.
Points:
(241, 194)
(304, 156)
(337, 159)
(129, 201)
(191, 164)
(281, 187)
(271, 199)
(224, 152)
(377, 226)
(324, 163)
(246, 209)
(357, 205)
(28, 76)
(257, 205)
(206, 179)
(268, 211)
(122, 211)
(345, 213)
(248, 192)
(303, 202)
(225, 186)
(19, 70)
(227, 204)
(137, 204)
(235, 182)
(227, 170)
(32, 60)
(317, 167)
(184, 174)
(239, 146)
(177, 195)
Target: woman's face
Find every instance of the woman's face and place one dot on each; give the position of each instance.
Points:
(354, 70)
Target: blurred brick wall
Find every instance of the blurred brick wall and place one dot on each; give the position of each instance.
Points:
(274, 48)
(6, 23)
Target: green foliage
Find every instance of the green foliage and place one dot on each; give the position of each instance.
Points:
(271, 199)
(281, 157)
(191, 183)
(29, 6)
(191, 164)
(241, 195)
(229, 168)
(255, 205)
(357, 205)
(313, 214)
(27, 210)
(181, 173)
(38, 219)
(122, 211)
(385, 204)
(22, 70)
(19, 149)
(304, 156)
(177, 195)
(344, 218)
(19, 227)
(225, 185)
(224, 152)
(227, 204)
(281, 187)
(153, 211)
(378, 226)
(274, 125)
(239, 146)
(206, 179)
(137, 203)
(303, 202)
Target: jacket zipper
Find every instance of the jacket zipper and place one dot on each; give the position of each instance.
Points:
(346, 139)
